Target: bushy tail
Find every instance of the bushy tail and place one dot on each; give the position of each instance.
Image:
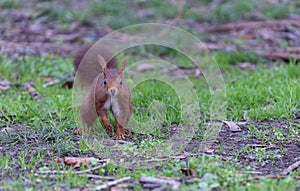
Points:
(87, 66)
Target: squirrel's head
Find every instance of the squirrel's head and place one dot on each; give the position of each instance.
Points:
(113, 78)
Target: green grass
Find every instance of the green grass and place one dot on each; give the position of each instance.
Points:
(214, 173)
(46, 127)
(8, 4)
(235, 10)
(114, 13)
(118, 14)
(267, 94)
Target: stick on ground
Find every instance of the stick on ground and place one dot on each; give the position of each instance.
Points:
(175, 185)
(290, 168)
(74, 172)
(252, 24)
(112, 183)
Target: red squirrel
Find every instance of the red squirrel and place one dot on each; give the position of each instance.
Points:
(109, 91)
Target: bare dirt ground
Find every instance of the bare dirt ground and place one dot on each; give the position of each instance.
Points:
(254, 154)
(24, 31)
(264, 155)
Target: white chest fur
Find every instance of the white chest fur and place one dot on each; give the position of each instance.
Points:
(112, 103)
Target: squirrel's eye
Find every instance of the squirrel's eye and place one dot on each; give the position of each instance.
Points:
(104, 82)
(121, 82)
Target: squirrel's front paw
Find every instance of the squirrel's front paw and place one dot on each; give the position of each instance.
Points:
(121, 134)
(108, 127)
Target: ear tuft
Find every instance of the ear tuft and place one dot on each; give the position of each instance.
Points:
(102, 62)
(123, 65)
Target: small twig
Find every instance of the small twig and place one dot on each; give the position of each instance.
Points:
(175, 185)
(182, 156)
(65, 172)
(95, 176)
(274, 176)
(234, 127)
(250, 172)
(151, 185)
(251, 24)
(152, 160)
(257, 145)
(284, 56)
(99, 176)
(111, 183)
(169, 178)
(124, 142)
(76, 172)
(51, 83)
(290, 168)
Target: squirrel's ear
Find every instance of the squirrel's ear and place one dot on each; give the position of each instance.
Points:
(101, 62)
(123, 65)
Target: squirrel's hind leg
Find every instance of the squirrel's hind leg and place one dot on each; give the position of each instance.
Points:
(88, 118)
(88, 111)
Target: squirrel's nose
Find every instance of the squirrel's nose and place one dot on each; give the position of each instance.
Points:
(113, 92)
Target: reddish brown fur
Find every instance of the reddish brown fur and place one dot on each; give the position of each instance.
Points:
(98, 94)
(104, 53)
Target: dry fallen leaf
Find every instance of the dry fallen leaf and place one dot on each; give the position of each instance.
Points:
(59, 160)
(182, 156)
(75, 162)
(197, 73)
(247, 66)
(29, 86)
(193, 172)
(4, 85)
(248, 37)
(209, 151)
(232, 126)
